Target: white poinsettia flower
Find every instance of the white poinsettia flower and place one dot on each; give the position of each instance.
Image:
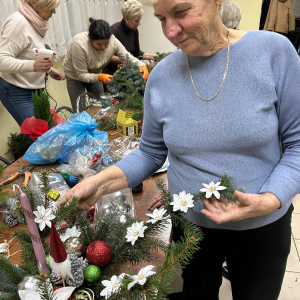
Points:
(157, 215)
(141, 278)
(182, 202)
(212, 189)
(70, 232)
(135, 231)
(43, 217)
(112, 286)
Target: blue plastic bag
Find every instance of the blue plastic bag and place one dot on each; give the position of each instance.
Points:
(58, 143)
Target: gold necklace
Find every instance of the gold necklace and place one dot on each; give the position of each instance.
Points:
(224, 77)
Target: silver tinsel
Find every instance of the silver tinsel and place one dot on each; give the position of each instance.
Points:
(11, 203)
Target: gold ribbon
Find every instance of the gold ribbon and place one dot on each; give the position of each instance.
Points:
(84, 294)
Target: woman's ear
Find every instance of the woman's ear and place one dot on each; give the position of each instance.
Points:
(32, 3)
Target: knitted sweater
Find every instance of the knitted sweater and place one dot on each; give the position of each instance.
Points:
(18, 38)
(128, 37)
(83, 62)
(236, 133)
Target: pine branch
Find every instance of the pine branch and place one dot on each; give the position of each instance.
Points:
(65, 210)
(3, 226)
(45, 289)
(11, 273)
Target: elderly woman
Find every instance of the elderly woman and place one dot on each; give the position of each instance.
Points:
(22, 73)
(239, 100)
(88, 53)
(127, 33)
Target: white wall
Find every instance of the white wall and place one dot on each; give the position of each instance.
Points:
(152, 39)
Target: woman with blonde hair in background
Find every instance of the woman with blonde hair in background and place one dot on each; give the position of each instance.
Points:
(21, 72)
(126, 31)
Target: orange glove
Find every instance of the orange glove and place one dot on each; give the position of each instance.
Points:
(104, 77)
(144, 70)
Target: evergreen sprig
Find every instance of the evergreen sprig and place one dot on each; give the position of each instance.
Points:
(11, 273)
(41, 107)
(227, 193)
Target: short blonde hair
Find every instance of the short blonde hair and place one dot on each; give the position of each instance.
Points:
(49, 4)
(131, 9)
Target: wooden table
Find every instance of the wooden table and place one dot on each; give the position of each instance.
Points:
(141, 201)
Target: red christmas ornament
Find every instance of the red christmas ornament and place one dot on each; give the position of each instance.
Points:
(98, 253)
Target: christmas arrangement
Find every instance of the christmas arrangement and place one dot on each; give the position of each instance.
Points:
(66, 256)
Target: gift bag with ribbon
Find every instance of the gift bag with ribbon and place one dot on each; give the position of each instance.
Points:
(59, 142)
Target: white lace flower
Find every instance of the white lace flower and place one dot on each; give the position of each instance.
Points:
(157, 215)
(212, 189)
(43, 217)
(141, 278)
(182, 202)
(112, 286)
(70, 232)
(135, 231)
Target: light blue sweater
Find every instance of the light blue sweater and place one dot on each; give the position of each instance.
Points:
(236, 133)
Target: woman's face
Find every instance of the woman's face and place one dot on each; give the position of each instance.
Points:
(134, 23)
(100, 45)
(44, 12)
(190, 25)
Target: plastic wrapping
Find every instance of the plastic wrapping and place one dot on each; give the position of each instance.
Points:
(121, 147)
(56, 181)
(79, 165)
(119, 203)
(61, 141)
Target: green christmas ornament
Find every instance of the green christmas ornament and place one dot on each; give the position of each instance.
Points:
(64, 175)
(92, 273)
(48, 260)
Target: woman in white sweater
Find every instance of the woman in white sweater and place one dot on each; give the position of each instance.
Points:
(88, 53)
(21, 72)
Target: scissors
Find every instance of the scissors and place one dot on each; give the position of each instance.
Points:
(22, 171)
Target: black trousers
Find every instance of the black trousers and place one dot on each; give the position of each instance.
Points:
(256, 261)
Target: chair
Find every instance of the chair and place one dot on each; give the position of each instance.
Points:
(84, 101)
(64, 112)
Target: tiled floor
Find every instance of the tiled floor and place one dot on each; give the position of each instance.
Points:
(291, 283)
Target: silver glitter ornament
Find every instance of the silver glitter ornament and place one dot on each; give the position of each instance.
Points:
(106, 209)
(123, 218)
(29, 283)
(117, 198)
(123, 208)
(74, 245)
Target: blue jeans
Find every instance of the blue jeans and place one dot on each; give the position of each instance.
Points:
(17, 101)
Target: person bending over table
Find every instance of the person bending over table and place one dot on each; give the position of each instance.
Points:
(220, 104)
(22, 73)
(88, 53)
(126, 31)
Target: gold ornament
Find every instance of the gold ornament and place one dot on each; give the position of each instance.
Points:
(53, 194)
(84, 294)
(74, 245)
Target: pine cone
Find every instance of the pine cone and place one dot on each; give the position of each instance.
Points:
(56, 279)
(10, 220)
(77, 271)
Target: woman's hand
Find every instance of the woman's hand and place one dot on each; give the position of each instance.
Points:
(246, 206)
(155, 203)
(87, 190)
(92, 188)
(144, 70)
(147, 56)
(57, 75)
(42, 65)
(105, 77)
